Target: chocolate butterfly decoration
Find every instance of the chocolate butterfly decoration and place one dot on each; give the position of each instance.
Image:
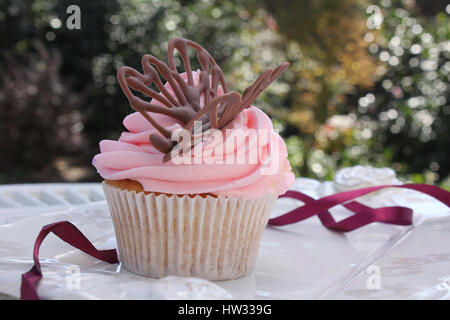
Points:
(185, 105)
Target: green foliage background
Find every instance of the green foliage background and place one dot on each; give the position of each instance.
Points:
(352, 94)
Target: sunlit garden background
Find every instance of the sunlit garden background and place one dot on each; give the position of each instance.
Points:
(368, 82)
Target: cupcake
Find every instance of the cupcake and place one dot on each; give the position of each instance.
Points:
(190, 185)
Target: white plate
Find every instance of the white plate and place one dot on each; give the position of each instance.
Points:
(301, 261)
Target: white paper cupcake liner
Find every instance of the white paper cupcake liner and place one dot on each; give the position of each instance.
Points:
(213, 238)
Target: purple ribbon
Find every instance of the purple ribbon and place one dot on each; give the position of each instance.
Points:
(363, 215)
(70, 234)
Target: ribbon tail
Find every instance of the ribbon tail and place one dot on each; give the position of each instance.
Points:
(67, 232)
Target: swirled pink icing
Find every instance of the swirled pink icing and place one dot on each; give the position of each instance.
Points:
(133, 157)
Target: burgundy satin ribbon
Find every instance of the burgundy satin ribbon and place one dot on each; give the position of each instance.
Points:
(70, 234)
(363, 215)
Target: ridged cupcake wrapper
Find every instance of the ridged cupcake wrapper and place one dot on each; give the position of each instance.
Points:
(214, 238)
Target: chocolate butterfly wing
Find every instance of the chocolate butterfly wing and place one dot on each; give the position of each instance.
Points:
(185, 101)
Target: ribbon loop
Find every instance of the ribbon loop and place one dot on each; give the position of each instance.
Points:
(363, 215)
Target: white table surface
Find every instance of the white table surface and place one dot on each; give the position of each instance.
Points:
(300, 261)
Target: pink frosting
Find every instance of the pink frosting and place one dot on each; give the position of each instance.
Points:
(133, 157)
